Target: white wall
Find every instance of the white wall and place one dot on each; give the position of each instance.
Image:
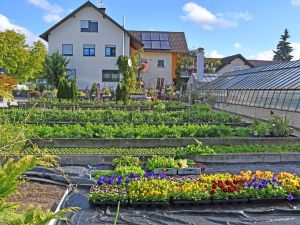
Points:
(155, 72)
(235, 62)
(89, 68)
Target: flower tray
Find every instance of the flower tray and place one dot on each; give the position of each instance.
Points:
(100, 203)
(167, 171)
(189, 171)
(150, 204)
(230, 201)
(187, 202)
(267, 200)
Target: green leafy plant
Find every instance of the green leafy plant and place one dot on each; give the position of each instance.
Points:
(126, 161)
(280, 127)
(161, 162)
(195, 149)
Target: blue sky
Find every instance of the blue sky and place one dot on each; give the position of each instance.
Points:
(249, 27)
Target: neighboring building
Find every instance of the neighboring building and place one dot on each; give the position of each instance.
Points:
(92, 41)
(257, 63)
(161, 51)
(226, 64)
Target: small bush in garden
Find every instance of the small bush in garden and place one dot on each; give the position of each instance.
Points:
(280, 127)
(260, 129)
(242, 132)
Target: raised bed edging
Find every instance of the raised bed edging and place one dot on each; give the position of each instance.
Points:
(105, 160)
(157, 142)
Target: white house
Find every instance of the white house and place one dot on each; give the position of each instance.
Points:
(93, 41)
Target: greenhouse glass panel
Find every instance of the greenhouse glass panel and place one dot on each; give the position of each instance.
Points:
(287, 100)
(264, 98)
(295, 101)
(280, 99)
(258, 98)
(249, 97)
(253, 99)
(275, 99)
(269, 99)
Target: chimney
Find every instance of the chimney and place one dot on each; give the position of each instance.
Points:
(102, 9)
(200, 64)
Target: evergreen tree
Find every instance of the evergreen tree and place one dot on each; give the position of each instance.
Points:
(125, 94)
(73, 89)
(284, 49)
(118, 93)
(60, 89)
(67, 90)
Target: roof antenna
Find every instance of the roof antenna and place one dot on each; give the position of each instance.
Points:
(100, 4)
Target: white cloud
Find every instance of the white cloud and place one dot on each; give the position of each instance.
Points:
(237, 45)
(5, 24)
(296, 52)
(200, 15)
(208, 20)
(265, 55)
(49, 18)
(268, 55)
(53, 11)
(295, 2)
(246, 16)
(215, 54)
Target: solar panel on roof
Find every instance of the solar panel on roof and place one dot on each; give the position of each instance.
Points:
(155, 44)
(146, 37)
(147, 44)
(163, 37)
(165, 45)
(154, 37)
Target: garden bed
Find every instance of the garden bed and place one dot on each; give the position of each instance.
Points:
(37, 194)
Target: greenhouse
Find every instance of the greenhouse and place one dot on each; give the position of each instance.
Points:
(271, 87)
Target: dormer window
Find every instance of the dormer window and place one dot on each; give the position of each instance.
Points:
(89, 26)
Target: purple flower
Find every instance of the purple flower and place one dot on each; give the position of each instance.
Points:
(99, 182)
(131, 175)
(256, 186)
(254, 179)
(290, 197)
(127, 180)
(274, 179)
(249, 184)
(119, 181)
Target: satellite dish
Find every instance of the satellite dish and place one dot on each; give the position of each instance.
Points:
(129, 62)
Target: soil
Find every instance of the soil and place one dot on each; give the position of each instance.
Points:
(37, 194)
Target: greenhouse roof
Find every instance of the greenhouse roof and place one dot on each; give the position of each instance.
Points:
(276, 76)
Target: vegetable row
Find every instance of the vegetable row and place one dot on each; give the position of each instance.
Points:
(116, 116)
(172, 151)
(160, 188)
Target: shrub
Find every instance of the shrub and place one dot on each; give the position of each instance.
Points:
(280, 127)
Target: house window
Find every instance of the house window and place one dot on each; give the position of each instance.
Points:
(71, 73)
(110, 50)
(88, 50)
(236, 68)
(110, 76)
(67, 49)
(89, 26)
(161, 63)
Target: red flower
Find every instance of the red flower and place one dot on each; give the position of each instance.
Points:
(214, 186)
(212, 191)
(228, 182)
